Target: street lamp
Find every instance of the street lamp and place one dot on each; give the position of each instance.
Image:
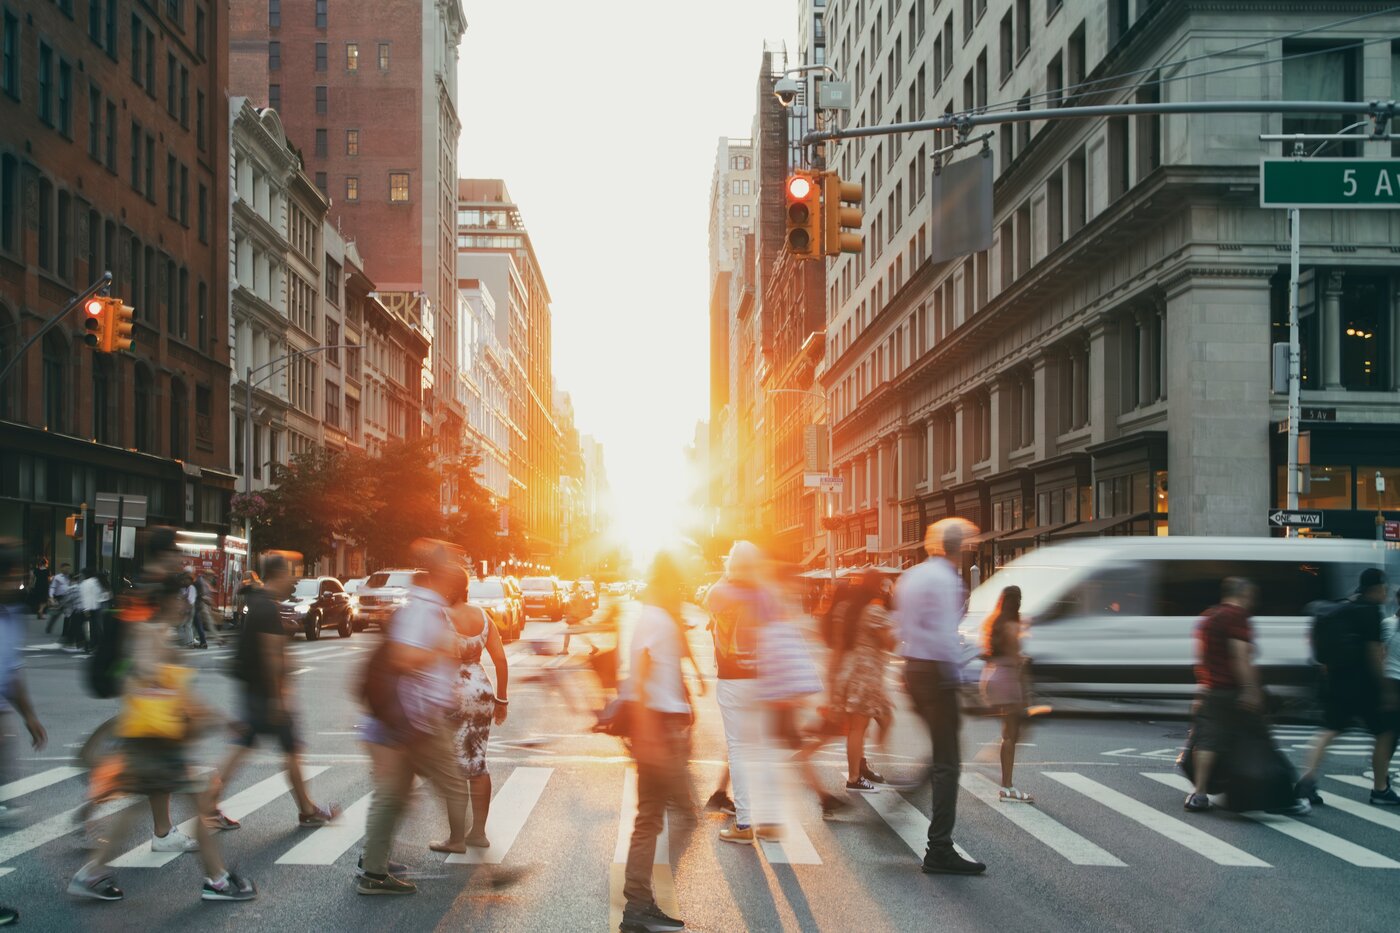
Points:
(830, 465)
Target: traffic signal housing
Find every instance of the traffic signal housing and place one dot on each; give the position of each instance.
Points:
(95, 323)
(843, 223)
(804, 215)
(108, 324)
(120, 324)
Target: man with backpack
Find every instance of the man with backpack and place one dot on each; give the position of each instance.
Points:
(261, 664)
(1348, 646)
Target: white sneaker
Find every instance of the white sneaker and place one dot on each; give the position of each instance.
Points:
(174, 841)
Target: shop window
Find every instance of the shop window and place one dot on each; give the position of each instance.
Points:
(1313, 71)
(1324, 487)
(1368, 498)
(1365, 333)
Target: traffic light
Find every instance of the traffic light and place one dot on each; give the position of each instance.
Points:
(95, 323)
(119, 326)
(804, 216)
(842, 232)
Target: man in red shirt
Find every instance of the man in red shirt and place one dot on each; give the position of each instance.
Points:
(1226, 678)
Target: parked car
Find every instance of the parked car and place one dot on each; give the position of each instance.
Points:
(543, 597)
(590, 589)
(383, 593)
(317, 603)
(352, 589)
(504, 610)
(1115, 618)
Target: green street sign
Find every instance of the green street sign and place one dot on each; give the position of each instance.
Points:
(1368, 184)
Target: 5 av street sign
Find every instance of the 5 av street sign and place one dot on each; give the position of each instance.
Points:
(1286, 519)
(1346, 183)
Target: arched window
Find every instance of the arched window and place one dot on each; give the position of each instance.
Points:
(103, 399)
(179, 420)
(144, 400)
(55, 383)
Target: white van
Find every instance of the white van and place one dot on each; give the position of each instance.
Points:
(1116, 617)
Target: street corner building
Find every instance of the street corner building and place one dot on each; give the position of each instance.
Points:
(113, 157)
(1105, 366)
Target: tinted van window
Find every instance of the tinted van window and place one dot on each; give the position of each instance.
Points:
(1188, 587)
(1119, 589)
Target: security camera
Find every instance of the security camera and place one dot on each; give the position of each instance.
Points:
(786, 90)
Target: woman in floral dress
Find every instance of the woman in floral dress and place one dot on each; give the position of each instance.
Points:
(478, 704)
(860, 687)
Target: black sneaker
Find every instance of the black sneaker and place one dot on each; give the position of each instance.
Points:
(720, 801)
(951, 863)
(648, 919)
(861, 786)
(369, 884)
(395, 868)
(1385, 798)
(1197, 803)
(1307, 790)
(96, 887)
(870, 774)
(8, 915)
(232, 888)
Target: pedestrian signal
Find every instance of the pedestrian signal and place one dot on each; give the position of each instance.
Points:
(804, 216)
(842, 233)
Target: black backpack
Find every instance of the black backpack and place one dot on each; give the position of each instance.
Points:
(107, 663)
(1331, 632)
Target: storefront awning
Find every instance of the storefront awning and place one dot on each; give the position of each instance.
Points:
(1097, 526)
(1026, 536)
(984, 537)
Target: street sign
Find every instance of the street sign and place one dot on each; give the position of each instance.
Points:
(872, 544)
(1371, 184)
(1286, 519)
(1392, 531)
(824, 482)
(133, 509)
(1319, 414)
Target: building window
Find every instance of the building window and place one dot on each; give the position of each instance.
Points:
(332, 404)
(274, 13)
(136, 32)
(45, 224)
(320, 14)
(184, 195)
(352, 188)
(321, 56)
(274, 56)
(171, 68)
(46, 84)
(199, 118)
(199, 30)
(9, 202)
(352, 142)
(398, 186)
(1313, 72)
(65, 99)
(274, 96)
(63, 230)
(95, 123)
(55, 383)
(9, 66)
(332, 284)
(321, 141)
(352, 56)
(170, 182)
(321, 183)
(179, 420)
(150, 168)
(383, 56)
(201, 310)
(332, 342)
(111, 137)
(322, 99)
(1364, 323)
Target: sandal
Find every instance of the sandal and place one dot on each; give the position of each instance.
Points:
(1012, 795)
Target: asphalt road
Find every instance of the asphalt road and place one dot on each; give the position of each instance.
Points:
(1106, 847)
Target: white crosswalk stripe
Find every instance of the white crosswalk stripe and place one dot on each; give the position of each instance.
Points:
(1310, 835)
(511, 806)
(37, 782)
(329, 843)
(1198, 841)
(906, 820)
(1381, 816)
(1057, 836)
(26, 840)
(238, 806)
(627, 816)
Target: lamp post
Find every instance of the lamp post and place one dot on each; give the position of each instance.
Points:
(830, 463)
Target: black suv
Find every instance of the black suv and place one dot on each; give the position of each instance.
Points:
(317, 603)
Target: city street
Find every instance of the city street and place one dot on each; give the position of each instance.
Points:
(1106, 847)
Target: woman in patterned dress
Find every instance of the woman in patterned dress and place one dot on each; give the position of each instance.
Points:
(860, 687)
(478, 704)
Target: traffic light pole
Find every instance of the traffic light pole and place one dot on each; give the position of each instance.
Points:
(104, 282)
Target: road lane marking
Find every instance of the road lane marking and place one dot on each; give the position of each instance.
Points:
(1381, 816)
(330, 842)
(18, 843)
(1202, 843)
(36, 782)
(1061, 838)
(627, 815)
(1336, 846)
(906, 820)
(238, 806)
(511, 806)
(663, 886)
(314, 653)
(794, 847)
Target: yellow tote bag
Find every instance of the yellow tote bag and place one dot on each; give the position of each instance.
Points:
(157, 711)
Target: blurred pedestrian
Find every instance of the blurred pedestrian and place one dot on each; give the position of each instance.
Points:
(1003, 683)
(92, 604)
(14, 695)
(1390, 694)
(858, 690)
(260, 664)
(739, 607)
(161, 718)
(58, 605)
(660, 743)
(39, 587)
(409, 687)
(475, 706)
(1348, 645)
(929, 600)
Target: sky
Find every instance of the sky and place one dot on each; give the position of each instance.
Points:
(603, 119)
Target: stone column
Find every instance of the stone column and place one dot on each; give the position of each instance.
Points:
(1105, 388)
(999, 398)
(1332, 333)
(1045, 369)
(962, 427)
(931, 448)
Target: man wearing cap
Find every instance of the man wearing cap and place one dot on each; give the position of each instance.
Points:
(1352, 680)
(929, 602)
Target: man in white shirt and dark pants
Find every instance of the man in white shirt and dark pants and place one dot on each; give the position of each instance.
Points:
(929, 601)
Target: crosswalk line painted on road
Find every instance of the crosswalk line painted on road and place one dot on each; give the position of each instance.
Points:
(316, 652)
(20, 842)
(35, 782)
(1336, 846)
(906, 820)
(327, 844)
(663, 886)
(1057, 836)
(238, 806)
(1381, 816)
(627, 815)
(511, 806)
(1202, 843)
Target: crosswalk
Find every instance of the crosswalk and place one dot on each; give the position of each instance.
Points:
(1117, 818)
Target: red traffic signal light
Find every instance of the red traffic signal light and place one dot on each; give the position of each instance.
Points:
(799, 187)
(804, 216)
(95, 323)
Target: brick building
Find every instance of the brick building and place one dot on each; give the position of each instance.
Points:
(113, 156)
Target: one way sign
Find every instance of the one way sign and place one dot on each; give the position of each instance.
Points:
(1283, 519)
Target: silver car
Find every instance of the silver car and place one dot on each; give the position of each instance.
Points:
(382, 594)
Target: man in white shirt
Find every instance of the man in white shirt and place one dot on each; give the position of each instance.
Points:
(59, 608)
(91, 597)
(929, 600)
